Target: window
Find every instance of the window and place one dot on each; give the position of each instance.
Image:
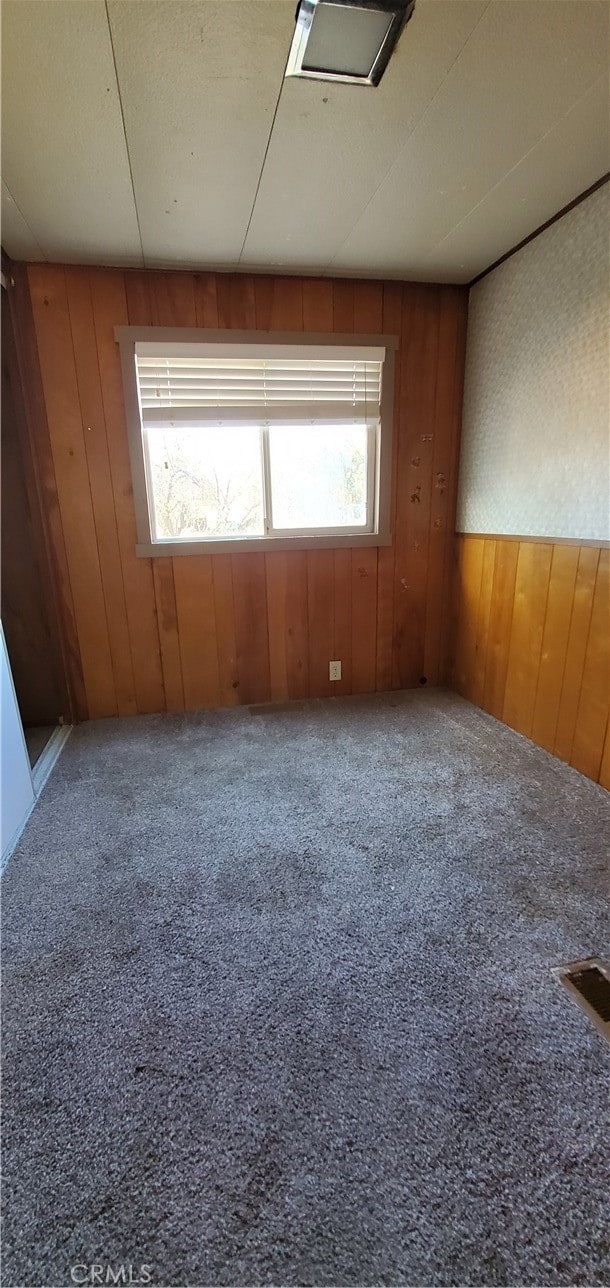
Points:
(259, 442)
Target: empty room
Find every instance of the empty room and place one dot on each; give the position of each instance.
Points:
(305, 643)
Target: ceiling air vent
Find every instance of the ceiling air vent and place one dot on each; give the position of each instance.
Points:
(589, 983)
(346, 40)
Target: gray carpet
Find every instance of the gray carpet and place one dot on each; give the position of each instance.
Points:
(278, 1005)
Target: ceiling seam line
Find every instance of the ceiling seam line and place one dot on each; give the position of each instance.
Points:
(507, 174)
(30, 230)
(120, 98)
(265, 155)
(408, 140)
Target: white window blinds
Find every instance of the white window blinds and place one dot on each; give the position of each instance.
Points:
(249, 382)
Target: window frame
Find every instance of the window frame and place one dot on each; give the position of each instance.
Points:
(377, 530)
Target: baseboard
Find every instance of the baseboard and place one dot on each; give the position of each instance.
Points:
(40, 775)
(47, 760)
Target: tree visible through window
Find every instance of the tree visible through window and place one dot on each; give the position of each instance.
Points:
(318, 476)
(205, 482)
(209, 482)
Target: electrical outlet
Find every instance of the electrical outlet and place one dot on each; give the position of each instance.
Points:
(334, 670)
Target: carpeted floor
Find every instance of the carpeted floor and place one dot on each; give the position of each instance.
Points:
(278, 1005)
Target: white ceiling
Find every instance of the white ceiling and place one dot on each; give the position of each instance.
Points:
(161, 132)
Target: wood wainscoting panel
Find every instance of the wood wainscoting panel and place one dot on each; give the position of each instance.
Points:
(562, 580)
(532, 642)
(168, 634)
(592, 713)
(578, 638)
(527, 629)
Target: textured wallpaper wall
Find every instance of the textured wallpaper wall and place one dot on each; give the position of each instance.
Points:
(535, 458)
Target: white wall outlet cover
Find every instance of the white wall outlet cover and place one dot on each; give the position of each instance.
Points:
(334, 670)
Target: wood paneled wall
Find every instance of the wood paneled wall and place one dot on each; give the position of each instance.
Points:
(28, 613)
(206, 630)
(532, 642)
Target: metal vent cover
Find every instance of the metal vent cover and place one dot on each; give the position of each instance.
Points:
(589, 983)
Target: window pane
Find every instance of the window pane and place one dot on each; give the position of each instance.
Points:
(206, 482)
(318, 475)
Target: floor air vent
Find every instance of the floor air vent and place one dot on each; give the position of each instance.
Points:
(589, 983)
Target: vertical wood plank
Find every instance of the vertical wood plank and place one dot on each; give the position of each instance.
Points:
(343, 306)
(562, 582)
(391, 323)
(604, 769)
(276, 574)
(461, 306)
(235, 300)
(100, 483)
(206, 300)
(174, 299)
(368, 320)
(525, 649)
(237, 310)
(320, 610)
(139, 296)
(297, 625)
(169, 639)
(263, 302)
(367, 308)
(279, 303)
(469, 577)
(415, 454)
(482, 623)
(342, 619)
(279, 307)
(317, 305)
(56, 354)
(194, 590)
(385, 619)
(452, 614)
(411, 351)
(500, 624)
(592, 714)
(251, 629)
(286, 573)
(60, 600)
(173, 304)
(443, 483)
(422, 438)
(364, 619)
(29, 611)
(117, 300)
(344, 294)
(576, 651)
(226, 646)
(288, 625)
